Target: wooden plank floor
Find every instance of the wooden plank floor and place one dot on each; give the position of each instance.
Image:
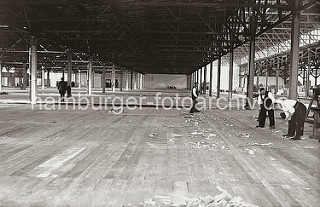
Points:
(96, 158)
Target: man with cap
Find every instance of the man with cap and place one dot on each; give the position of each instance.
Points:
(295, 113)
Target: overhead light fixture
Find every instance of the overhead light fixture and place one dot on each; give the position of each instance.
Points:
(4, 26)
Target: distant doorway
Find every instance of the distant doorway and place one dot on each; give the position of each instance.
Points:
(108, 83)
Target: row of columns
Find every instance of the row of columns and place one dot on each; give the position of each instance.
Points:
(197, 75)
(136, 82)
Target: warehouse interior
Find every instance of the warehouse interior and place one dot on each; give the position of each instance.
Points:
(125, 136)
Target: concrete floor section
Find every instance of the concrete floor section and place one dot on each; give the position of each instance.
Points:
(152, 157)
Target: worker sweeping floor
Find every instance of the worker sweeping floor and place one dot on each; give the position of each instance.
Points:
(152, 157)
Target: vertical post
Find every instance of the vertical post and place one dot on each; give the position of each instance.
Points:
(89, 77)
(240, 78)
(63, 73)
(251, 68)
(267, 78)
(131, 77)
(192, 79)
(219, 77)
(0, 75)
(308, 74)
(258, 79)
(196, 76)
(277, 78)
(205, 80)
(48, 78)
(127, 80)
(211, 79)
(121, 78)
(295, 33)
(69, 67)
(25, 76)
(113, 78)
(135, 81)
(141, 81)
(93, 74)
(79, 78)
(201, 85)
(103, 78)
(42, 77)
(230, 75)
(33, 70)
(20, 78)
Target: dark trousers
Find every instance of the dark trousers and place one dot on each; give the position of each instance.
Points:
(263, 115)
(296, 124)
(62, 94)
(194, 102)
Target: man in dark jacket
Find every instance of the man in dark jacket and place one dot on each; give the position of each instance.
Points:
(194, 95)
(266, 101)
(62, 87)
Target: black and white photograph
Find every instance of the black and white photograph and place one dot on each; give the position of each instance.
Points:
(159, 103)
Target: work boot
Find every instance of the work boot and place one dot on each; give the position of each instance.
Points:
(296, 138)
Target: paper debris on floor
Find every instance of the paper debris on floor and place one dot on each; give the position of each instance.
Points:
(152, 134)
(250, 151)
(256, 144)
(224, 199)
(245, 135)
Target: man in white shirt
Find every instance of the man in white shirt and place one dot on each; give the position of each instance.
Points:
(194, 95)
(266, 101)
(295, 113)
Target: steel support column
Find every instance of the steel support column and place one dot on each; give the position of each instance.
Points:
(294, 60)
(127, 80)
(25, 76)
(258, 80)
(308, 74)
(33, 70)
(48, 78)
(219, 77)
(201, 81)
(131, 78)
(121, 79)
(141, 81)
(113, 78)
(211, 79)
(69, 67)
(205, 80)
(20, 78)
(230, 75)
(79, 72)
(103, 78)
(89, 77)
(267, 79)
(277, 79)
(42, 78)
(251, 67)
(0, 75)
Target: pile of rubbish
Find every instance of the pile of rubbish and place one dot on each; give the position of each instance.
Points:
(222, 200)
